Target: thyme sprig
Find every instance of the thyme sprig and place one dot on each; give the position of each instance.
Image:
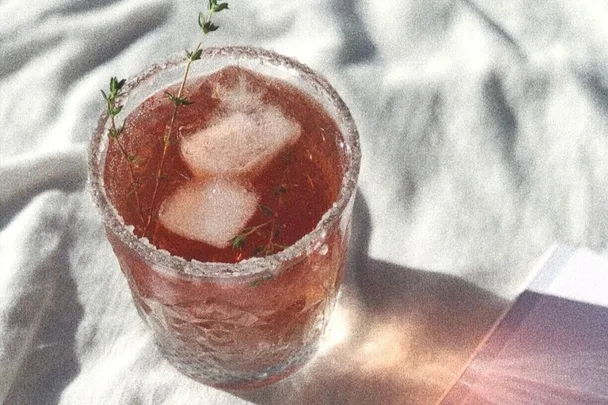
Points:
(113, 108)
(206, 25)
(271, 225)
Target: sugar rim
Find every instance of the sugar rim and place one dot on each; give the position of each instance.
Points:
(251, 267)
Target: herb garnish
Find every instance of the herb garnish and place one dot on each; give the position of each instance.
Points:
(270, 226)
(114, 108)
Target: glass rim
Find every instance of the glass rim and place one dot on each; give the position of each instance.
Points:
(254, 266)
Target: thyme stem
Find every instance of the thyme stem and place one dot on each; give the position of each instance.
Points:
(167, 139)
(207, 26)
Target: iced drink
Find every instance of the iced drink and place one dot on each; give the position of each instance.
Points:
(235, 251)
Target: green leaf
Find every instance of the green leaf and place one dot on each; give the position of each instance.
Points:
(280, 190)
(194, 55)
(259, 251)
(238, 242)
(105, 96)
(265, 210)
(113, 133)
(116, 85)
(178, 100)
(201, 20)
(115, 110)
(219, 7)
(209, 27)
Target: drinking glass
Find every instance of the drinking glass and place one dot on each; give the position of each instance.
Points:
(256, 321)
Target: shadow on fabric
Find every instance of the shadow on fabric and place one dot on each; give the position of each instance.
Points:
(397, 336)
(52, 362)
(358, 47)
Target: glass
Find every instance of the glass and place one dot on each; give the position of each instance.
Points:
(254, 322)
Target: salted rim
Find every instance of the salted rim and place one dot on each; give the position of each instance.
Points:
(253, 266)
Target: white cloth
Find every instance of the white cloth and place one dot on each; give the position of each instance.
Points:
(484, 133)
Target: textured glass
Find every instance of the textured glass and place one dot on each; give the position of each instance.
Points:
(253, 322)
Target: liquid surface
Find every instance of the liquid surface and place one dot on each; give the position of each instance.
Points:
(293, 189)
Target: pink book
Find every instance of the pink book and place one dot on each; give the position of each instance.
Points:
(551, 345)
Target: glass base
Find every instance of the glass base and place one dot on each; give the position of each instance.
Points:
(228, 380)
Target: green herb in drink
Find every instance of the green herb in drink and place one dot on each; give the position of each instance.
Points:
(114, 108)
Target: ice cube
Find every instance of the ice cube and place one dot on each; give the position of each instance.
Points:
(239, 142)
(213, 212)
(236, 90)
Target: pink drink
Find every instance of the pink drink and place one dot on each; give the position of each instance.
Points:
(258, 319)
